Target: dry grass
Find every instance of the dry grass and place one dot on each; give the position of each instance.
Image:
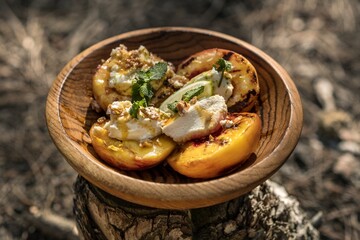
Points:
(316, 41)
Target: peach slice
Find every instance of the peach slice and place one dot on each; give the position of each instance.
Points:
(216, 155)
(129, 154)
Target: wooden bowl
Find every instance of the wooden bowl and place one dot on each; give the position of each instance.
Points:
(70, 116)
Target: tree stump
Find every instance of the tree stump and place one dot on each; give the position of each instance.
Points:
(267, 212)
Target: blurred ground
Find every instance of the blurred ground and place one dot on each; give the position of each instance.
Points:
(316, 41)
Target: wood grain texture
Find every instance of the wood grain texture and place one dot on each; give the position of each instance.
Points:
(70, 116)
(266, 212)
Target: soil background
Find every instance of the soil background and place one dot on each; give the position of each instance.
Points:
(316, 41)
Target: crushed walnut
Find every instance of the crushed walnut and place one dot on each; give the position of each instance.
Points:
(226, 123)
(178, 81)
(182, 107)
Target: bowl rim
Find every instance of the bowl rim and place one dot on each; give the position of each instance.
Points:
(154, 194)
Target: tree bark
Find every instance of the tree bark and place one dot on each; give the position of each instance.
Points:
(267, 212)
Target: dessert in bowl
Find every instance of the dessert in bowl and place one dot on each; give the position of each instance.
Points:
(71, 114)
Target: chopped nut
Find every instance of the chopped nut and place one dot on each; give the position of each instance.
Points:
(178, 81)
(226, 123)
(101, 120)
(146, 143)
(182, 107)
(119, 108)
(150, 112)
(223, 141)
(193, 100)
(211, 138)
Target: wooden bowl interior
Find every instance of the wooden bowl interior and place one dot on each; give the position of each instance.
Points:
(74, 96)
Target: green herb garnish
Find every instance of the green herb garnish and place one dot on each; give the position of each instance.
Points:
(192, 93)
(172, 106)
(157, 72)
(221, 66)
(142, 91)
(186, 97)
(136, 106)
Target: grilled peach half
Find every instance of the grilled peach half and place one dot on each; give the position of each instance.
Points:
(121, 64)
(129, 154)
(217, 155)
(243, 75)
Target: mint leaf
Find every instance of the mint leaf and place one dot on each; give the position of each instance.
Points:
(192, 93)
(135, 92)
(157, 71)
(142, 77)
(136, 106)
(221, 66)
(141, 90)
(172, 106)
(146, 91)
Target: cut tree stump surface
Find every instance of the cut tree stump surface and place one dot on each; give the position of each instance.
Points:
(267, 212)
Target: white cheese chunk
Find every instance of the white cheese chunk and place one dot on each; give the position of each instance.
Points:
(226, 88)
(120, 81)
(199, 120)
(123, 126)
